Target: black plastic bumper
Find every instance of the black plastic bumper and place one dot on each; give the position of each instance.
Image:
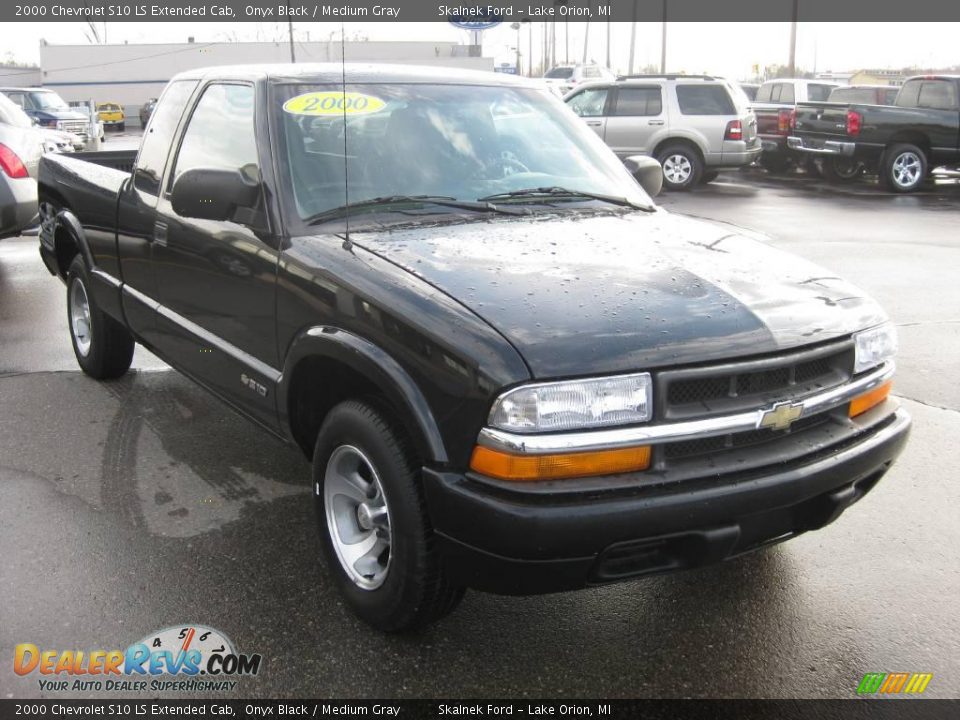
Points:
(519, 543)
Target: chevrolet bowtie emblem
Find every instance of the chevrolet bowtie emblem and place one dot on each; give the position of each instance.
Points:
(781, 416)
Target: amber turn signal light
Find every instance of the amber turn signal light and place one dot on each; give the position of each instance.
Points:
(862, 403)
(506, 466)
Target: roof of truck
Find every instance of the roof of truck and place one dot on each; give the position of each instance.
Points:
(354, 73)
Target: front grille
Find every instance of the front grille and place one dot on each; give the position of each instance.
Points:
(707, 446)
(704, 392)
(75, 126)
(735, 387)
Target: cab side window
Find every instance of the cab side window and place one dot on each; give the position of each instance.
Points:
(589, 103)
(156, 143)
(220, 133)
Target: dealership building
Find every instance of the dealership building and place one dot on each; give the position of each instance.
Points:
(130, 74)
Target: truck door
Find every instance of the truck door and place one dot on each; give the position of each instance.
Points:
(590, 104)
(137, 211)
(217, 279)
(636, 121)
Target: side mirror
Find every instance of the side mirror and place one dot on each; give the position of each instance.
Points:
(647, 172)
(213, 194)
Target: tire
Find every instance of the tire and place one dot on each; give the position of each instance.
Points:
(709, 176)
(775, 163)
(121, 127)
(103, 347)
(682, 167)
(841, 169)
(361, 459)
(903, 168)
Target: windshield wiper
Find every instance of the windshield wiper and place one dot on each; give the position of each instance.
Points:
(388, 200)
(555, 191)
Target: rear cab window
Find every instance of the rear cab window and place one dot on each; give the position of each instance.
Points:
(938, 95)
(818, 93)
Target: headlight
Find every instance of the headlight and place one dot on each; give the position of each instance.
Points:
(574, 405)
(874, 346)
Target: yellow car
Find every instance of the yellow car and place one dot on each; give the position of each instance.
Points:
(111, 115)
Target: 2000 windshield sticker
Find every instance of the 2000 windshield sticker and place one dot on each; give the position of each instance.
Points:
(333, 103)
(201, 657)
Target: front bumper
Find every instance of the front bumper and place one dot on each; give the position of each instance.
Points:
(517, 543)
(827, 147)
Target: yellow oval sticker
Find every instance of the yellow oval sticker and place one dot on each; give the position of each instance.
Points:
(333, 103)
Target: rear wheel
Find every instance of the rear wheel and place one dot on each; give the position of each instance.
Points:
(682, 167)
(903, 168)
(709, 176)
(841, 169)
(374, 527)
(103, 347)
(775, 163)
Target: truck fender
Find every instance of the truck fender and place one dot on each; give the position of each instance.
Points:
(378, 367)
(66, 219)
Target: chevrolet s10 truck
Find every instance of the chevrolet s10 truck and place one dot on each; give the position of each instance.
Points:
(511, 370)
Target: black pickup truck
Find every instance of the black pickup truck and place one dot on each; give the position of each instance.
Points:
(900, 143)
(511, 370)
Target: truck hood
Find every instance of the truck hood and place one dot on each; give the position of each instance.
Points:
(578, 295)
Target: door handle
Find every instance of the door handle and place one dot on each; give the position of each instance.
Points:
(594, 123)
(654, 122)
(160, 233)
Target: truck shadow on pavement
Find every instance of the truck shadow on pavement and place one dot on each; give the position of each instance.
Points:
(160, 506)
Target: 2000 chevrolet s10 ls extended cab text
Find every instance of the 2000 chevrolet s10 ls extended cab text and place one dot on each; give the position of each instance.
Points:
(511, 370)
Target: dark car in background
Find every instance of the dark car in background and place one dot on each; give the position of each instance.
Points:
(49, 110)
(146, 110)
(900, 143)
(510, 369)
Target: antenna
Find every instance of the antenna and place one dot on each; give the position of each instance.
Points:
(343, 103)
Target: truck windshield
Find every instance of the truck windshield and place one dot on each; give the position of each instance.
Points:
(465, 143)
(48, 101)
(559, 73)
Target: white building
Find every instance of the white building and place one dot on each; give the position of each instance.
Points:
(130, 74)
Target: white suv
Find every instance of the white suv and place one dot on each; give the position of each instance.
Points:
(564, 78)
(694, 125)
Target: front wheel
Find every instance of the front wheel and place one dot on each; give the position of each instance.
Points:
(374, 527)
(903, 168)
(682, 167)
(103, 347)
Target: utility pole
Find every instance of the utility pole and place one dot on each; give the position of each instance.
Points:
(516, 26)
(530, 48)
(633, 38)
(608, 44)
(293, 55)
(793, 39)
(663, 41)
(566, 42)
(586, 37)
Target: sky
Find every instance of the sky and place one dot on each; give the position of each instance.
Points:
(727, 49)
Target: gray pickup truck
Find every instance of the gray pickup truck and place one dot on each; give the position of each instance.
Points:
(900, 143)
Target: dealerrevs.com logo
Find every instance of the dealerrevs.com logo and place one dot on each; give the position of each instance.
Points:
(187, 658)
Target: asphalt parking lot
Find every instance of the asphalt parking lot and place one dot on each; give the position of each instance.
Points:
(130, 506)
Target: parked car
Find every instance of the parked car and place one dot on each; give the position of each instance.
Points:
(146, 110)
(51, 140)
(901, 143)
(50, 111)
(774, 107)
(511, 370)
(693, 125)
(750, 90)
(111, 115)
(564, 78)
(21, 145)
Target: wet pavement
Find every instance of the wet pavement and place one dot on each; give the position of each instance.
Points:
(134, 505)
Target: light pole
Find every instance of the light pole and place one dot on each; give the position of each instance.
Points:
(793, 38)
(663, 41)
(516, 26)
(633, 38)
